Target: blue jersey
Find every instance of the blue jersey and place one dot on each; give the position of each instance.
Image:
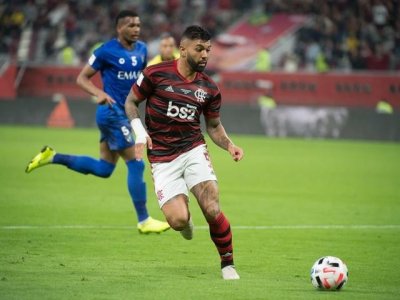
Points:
(119, 67)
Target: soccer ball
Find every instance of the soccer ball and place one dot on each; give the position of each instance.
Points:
(329, 273)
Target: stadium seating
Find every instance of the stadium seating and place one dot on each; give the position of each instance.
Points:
(342, 35)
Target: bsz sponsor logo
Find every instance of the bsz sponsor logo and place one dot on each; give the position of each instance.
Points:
(200, 95)
(184, 112)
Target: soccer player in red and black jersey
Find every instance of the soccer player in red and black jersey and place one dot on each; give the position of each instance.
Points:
(177, 93)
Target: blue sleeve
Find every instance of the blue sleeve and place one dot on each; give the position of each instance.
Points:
(145, 56)
(143, 53)
(97, 60)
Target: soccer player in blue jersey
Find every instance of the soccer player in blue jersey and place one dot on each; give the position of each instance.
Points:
(119, 62)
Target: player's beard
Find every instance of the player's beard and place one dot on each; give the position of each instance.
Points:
(194, 65)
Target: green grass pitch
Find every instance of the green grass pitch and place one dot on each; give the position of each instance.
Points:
(81, 243)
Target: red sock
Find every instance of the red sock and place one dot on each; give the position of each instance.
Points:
(221, 235)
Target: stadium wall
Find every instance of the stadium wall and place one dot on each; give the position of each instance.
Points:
(329, 89)
(325, 89)
(281, 121)
(8, 75)
(300, 105)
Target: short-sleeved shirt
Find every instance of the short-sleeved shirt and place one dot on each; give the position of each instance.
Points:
(119, 67)
(173, 109)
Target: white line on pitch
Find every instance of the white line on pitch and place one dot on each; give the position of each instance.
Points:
(271, 227)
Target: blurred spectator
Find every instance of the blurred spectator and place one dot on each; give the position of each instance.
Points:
(71, 25)
(357, 35)
(378, 59)
(312, 51)
(50, 41)
(263, 62)
(67, 56)
(58, 13)
(167, 50)
(289, 62)
(30, 11)
(320, 63)
(379, 13)
(357, 60)
(12, 20)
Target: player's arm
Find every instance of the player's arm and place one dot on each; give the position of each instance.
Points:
(85, 82)
(142, 137)
(218, 135)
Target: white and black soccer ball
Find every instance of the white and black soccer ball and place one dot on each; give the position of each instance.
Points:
(329, 273)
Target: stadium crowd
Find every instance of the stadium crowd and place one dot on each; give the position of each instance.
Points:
(82, 24)
(341, 34)
(345, 34)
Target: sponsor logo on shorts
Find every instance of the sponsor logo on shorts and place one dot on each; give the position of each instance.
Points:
(207, 156)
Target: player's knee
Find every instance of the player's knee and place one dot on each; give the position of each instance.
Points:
(105, 169)
(208, 198)
(135, 171)
(105, 173)
(136, 166)
(178, 223)
(211, 211)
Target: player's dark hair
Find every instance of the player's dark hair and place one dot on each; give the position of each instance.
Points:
(125, 13)
(196, 32)
(166, 35)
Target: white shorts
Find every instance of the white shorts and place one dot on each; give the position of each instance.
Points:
(181, 174)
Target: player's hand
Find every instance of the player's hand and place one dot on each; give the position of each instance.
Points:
(140, 147)
(104, 98)
(236, 152)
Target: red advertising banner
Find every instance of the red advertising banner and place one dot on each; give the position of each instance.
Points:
(7, 81)
(329, 89)
(47, 81)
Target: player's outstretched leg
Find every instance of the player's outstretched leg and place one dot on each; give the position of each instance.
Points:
(137, 190)
(81, 164)
(206, 194)
(44, 157)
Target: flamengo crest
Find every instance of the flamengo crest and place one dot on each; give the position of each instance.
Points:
(200, 95)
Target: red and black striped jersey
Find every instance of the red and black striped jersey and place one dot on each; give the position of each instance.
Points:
(173, 109)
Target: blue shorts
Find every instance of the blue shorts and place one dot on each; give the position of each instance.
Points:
(114, 126)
